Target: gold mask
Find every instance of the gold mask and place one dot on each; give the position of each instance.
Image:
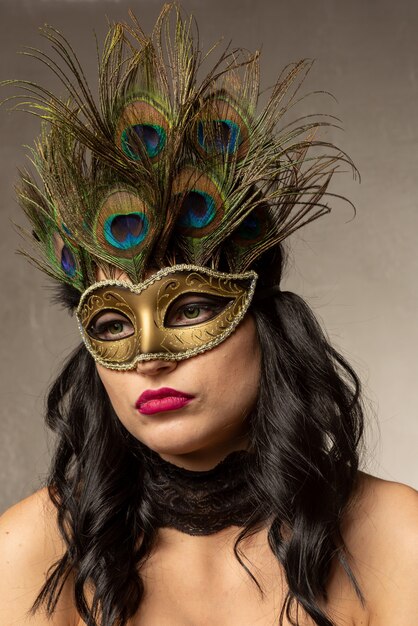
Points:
(175, 314)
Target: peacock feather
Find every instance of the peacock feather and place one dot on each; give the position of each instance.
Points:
(165, 167)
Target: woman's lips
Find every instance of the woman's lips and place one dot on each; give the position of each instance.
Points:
(159, 400)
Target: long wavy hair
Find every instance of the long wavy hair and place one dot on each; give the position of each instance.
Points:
(304, 432)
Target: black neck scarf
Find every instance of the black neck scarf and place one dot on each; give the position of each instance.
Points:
(201, 502)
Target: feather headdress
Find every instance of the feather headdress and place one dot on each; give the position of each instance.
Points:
(164, 167)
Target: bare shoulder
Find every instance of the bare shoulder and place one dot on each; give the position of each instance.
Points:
(31, 518)
(381, 533)
(30, 543)
(385, 510)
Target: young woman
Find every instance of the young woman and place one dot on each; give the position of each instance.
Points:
(206, 470)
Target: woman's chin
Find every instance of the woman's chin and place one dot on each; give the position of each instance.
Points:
(174, 444)
(194, 453)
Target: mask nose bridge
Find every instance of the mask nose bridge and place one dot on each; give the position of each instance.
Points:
(145, 309)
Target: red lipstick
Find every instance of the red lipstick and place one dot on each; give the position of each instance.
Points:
(160, 400)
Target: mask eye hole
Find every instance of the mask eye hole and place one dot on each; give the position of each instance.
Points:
(110, 326)
(193, 308)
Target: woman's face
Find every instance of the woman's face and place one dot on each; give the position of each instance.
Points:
(213, 394)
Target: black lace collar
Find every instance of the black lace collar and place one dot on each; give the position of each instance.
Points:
(201, 502)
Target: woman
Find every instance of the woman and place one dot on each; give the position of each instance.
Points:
(206, 469)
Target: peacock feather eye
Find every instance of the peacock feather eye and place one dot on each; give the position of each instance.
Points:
(198, 209)
(218, 136)
(199, 201)
(143, 128)
(221, 127)
(253, 227)
(125, 231)
(151, 136)
(250, 228)
(124, 224)
(68, 262)
(65, 255)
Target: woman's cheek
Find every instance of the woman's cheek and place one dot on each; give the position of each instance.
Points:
(120, 389)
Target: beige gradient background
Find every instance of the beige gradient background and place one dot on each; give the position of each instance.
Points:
(360, 276)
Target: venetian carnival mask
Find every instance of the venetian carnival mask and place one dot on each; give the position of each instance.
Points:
(175, 314)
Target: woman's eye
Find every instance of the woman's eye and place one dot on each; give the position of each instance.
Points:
(192, 312)
(108, 327)
(188, 313)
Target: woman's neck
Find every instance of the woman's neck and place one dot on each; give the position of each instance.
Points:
(201, 502)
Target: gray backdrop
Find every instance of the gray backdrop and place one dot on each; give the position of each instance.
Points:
(360, 276)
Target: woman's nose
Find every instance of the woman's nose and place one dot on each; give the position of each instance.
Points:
(155, 367)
